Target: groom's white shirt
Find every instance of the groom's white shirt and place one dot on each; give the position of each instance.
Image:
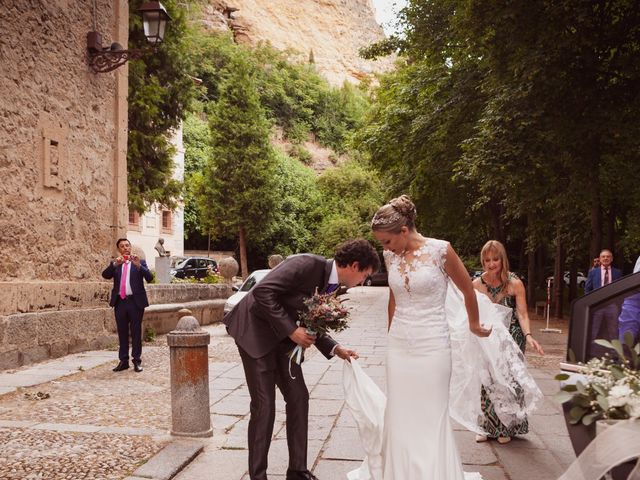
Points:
(333, 278)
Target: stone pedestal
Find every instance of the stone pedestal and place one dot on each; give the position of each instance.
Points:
(163, 264)
(189, 364)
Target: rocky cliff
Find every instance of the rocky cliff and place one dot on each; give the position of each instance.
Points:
(333, 30)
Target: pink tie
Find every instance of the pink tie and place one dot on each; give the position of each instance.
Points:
(123, 281)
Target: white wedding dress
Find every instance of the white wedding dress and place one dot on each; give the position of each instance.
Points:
(417, 437)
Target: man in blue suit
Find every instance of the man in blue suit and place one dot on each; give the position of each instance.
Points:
(604, 320)
(603, 275)
(128, 299)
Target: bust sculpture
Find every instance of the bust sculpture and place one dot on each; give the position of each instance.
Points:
(160, 248)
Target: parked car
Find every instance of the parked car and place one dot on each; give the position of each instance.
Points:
(589, 315)
(475, 274)
(581, 279)
(197, 267)
(378, 279)
(251, 281)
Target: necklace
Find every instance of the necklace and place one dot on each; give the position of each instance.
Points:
(493, 291)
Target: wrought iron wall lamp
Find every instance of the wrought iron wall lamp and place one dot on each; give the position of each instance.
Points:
(104, 59)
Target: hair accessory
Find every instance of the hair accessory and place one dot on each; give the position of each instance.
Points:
(380, 220)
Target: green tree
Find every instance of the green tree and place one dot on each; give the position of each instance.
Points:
(160, 90)
(238, 192)
(350, 195)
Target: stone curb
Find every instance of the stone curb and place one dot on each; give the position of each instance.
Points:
(166, 464)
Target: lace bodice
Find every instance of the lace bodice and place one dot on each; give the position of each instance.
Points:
(419, 285)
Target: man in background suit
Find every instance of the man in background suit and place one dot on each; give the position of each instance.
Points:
(128, 299)
(604, 320)
(603, 275)
(264, 327)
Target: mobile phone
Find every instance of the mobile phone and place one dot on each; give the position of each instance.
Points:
(125, 257)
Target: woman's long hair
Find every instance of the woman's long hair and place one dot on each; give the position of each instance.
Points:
(494, 246)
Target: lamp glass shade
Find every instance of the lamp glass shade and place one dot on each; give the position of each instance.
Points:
(154, 20)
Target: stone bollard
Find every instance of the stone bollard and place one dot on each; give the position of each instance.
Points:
(189, 363)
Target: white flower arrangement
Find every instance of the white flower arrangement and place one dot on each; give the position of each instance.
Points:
(609, 389)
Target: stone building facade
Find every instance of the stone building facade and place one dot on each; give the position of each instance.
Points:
(63, 176)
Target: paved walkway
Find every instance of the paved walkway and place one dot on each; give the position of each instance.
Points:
(96, 424)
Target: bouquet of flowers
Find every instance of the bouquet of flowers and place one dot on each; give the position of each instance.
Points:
(609, 389)
(323, 313)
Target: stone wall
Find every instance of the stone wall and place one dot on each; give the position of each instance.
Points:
(62, 140)
(54, 319)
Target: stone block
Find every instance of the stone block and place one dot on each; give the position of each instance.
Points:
(10, 359)
(170, 460)
(79, 345)
(9, 298)
(21, 330)
(58, 349)
(344, 444)
(35, 354)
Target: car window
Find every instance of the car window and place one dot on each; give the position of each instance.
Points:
(212, 263)
(191, 263)
(202, 263)
(248, 284)
(606, 313)
(254, 278)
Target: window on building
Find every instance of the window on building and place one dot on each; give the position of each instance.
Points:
(167, 221)
(134, 220)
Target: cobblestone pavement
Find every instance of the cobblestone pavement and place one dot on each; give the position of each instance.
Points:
(97, 424)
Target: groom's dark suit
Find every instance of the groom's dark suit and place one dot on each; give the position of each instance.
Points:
(261, 324)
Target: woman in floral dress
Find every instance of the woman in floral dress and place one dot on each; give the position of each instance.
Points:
(504, 288)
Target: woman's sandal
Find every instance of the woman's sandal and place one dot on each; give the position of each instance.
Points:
(504, 440)
(481, 438)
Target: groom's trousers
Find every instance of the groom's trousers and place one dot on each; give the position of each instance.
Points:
(263, 374)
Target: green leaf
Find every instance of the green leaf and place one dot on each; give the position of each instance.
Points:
(562, 396)
(577, 412)
(602, 401)
(618, 348)
(562, 376)
(628, 339)
(604, 343)
(590, 418)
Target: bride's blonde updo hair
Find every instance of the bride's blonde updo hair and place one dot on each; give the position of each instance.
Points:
(399, 212)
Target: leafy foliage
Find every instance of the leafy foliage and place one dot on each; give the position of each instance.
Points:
(350, 195)
(238, 187)
(512, 121)
(160, 90)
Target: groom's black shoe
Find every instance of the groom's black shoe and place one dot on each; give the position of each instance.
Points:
(121, 366)
(297, 475)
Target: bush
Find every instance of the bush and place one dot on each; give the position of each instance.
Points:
(301, 153)
(149, 334)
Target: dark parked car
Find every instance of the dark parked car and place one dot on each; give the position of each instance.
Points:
(197, 267)
(599, 314)
(378, 279)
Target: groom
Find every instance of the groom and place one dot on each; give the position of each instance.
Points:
(264, 327)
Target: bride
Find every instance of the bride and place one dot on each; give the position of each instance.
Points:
(417, 436)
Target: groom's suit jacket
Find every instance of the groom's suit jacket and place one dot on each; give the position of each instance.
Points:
(267, 315)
